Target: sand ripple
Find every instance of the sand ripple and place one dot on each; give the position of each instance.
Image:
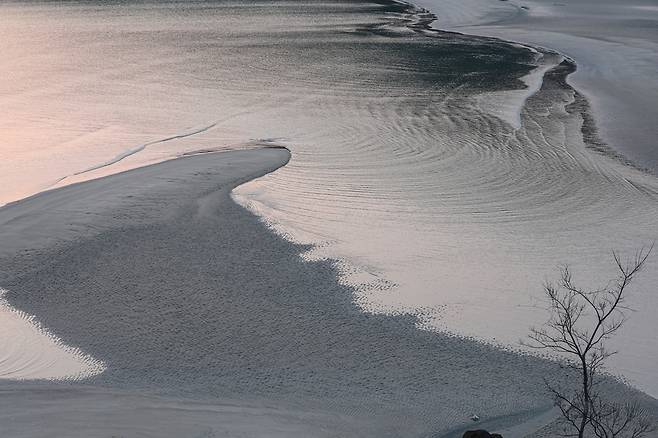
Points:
(409, 163)
(441, 207)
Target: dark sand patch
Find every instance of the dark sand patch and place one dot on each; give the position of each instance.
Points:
(184, 294)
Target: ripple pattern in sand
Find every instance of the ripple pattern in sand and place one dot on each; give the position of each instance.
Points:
(399, 169)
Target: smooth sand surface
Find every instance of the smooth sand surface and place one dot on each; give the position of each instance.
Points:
(211, 325)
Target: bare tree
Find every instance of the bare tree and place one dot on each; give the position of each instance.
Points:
(610, 420)
(580, 323)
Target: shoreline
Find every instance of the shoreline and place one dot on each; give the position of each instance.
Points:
(635, 176)
(581, 103)
(597, 79)
(593, 154)
(342, 358)
(29, 226)
(174, 160)
(346, 370)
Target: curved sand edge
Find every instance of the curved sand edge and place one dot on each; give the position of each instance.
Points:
(185, 294)
(53, 217)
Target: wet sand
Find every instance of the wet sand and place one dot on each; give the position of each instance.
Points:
(614, 44)
(211, 325)
(394, 145)
(206, 319)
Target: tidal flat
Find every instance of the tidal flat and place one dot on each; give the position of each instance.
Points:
(432, 181)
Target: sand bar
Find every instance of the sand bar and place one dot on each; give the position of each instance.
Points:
(203, 315)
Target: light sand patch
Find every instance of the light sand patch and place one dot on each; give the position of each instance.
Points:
(28, 351)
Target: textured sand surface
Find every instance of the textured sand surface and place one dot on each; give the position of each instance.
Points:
(444, 169)
(182, 293)
(614, 43)
(211, 325)
(405, 165)
(54, 218)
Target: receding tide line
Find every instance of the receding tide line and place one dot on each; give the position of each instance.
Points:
(129, 152)
(28, 351)
(132, 151)
(137, 149)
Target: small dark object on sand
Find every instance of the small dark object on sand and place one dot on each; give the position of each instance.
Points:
(480, 434)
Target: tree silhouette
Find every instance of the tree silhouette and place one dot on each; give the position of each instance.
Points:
(580, 323)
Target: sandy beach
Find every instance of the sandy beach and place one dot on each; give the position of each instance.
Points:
(313, 219)
(195, 307)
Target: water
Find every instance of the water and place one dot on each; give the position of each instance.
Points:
(171, 292)
(615, 44)
(403, 169)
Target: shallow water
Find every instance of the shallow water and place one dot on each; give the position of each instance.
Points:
(207, 320)
(400, 168)
(31, 352)
(614, 43)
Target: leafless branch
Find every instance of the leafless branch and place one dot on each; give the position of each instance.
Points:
(580, 322)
